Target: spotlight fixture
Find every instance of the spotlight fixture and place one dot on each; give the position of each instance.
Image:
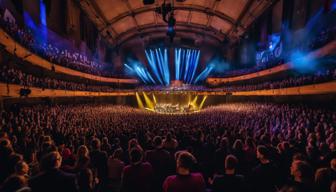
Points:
(171, 21)
(167, 12)
(171, 33)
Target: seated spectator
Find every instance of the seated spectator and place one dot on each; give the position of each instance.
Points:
(185, 180)
(52, 179)
(230, 181)
(138, 176)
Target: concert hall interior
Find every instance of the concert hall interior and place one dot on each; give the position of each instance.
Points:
(168, 95)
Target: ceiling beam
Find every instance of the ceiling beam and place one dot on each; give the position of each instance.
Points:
(151, 28)
(187, 25)
(195, 8)
(96, 11)
(162, 33)
(213, 7)
(131, 13)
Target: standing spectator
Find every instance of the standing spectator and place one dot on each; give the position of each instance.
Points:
(170, 143)
(230, 181)
(115, 167)
(185, 180)
(138, 176)
(52, 179)
(264, 176)
(323, 180)
(98, 161)
(160, 159)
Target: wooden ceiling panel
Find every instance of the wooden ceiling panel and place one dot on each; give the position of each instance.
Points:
(112, 8)
(124, 16)
(202, 3)
(125, 24)
(182, 16)
(232, 8)
(135, 4)
(199, 18)
(145, 18)
(220, 25)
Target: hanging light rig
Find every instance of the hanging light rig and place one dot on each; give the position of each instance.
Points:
(167, 12)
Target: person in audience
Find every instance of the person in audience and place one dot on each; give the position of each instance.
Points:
(52, 178)
(302, 176)
(333, 186)
(28, 133)
(98, 160)
(115, 167)
(86, 181)
(15, 183)
(323, 179)
(170, 143)
(333, 168)
(184, 180)
(138, 176)
(161, 161)
(264, 177)
(230, 181)
(22, 169)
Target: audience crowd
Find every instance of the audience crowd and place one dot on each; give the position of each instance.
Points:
(291, 81)
(62, 56)
(231, 147)
(12, 75)
(321, 39)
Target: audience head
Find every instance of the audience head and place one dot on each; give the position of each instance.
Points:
(301, 171)
(157, 142)
(22, 168)
(323, 179)
(52, 160)
(82, 151)
(95, 144)
(136, 156)
(118, 153)
(333, 164)
(231, 162)
(184, 161)
(262, 153)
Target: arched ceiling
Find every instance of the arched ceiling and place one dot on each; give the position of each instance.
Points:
(121, 20)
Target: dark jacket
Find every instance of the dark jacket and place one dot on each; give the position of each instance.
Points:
(54, 181)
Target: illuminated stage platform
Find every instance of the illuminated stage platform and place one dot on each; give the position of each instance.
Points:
(163, 102)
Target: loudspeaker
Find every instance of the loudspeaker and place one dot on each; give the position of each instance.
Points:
(24, 92)
(148, 2)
